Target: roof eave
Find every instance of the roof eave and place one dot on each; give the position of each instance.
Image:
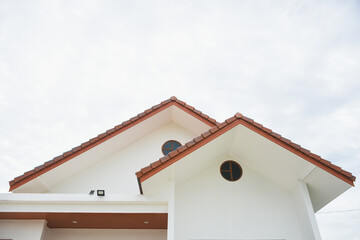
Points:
(230, 123)
(65, 157)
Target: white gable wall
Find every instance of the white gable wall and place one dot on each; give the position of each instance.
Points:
(210, 207)
(116, 174)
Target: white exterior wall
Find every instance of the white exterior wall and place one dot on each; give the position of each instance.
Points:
(116, 175)
(205, 206)
(108, 234)
(22, 229)
(308, 224)
(210, 207)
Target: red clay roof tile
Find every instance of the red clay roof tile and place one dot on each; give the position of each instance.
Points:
(156, 106)
(247, 119)
(258, 125)
(146, 169)
(335, 167)
(165, 102)
(110, 131)
(75, 149)
(29, 173)
(266, 129)
(65, 154)
(126, 123)
(317, 157)
(182, 148)
(189, 144)
(57, 158)
(229, 120)
(133, 119)
(148, 110)
(205, 116)
(238, 115)
(198, 139)
(155, 164)
(85, 144)
(172, 154)
(205, 134)
(141, 114)
(102, 135)
(38, 168)
(165, 158)
(285, 140)
(326, 162)
(48, 163)
(183, 103)
(296, 146)
(276, 135)
(304, 150)
(20, 180)
(214, 129)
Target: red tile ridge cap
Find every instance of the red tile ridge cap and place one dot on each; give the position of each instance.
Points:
(66, 156)
(237, 119)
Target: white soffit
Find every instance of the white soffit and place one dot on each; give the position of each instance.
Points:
(324, 187)
(188, 122)
(285, 168)
(266, 157)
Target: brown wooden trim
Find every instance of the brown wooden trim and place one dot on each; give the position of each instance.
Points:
(94, 220)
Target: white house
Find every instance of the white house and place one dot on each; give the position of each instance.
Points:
(173, 172)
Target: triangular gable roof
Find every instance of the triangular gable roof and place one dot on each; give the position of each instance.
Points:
(66, 156)
(230, 123)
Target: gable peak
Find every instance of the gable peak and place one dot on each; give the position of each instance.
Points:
(238, 115)
(102, 137)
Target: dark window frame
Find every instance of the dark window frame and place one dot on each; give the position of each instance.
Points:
(172, 146)
(232, 164)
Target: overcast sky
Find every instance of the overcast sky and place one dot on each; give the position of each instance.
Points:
(70, 70)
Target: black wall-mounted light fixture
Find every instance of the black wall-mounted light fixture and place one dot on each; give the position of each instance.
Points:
(100, 193)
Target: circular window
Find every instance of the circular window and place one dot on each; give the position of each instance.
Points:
(231, 171)
(170, 146)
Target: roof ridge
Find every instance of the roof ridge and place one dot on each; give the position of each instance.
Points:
(239, 117)
(106, 135)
